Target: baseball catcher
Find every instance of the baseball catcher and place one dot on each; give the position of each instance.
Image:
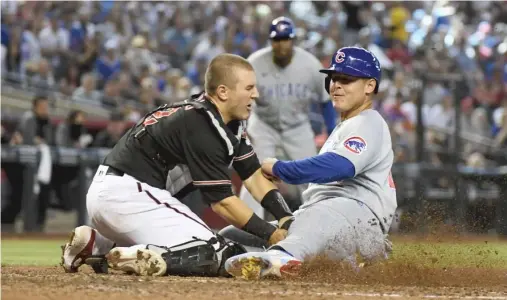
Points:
(139, 224)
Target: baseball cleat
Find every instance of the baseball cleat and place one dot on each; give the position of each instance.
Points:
(256, 265)
(136, 260)
(78, 248)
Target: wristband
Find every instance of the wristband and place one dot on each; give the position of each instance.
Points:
(274, 203)
(259, 227)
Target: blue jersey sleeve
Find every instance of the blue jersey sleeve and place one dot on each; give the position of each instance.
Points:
(323, 168)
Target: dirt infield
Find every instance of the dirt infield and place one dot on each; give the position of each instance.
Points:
(320, 279)
(317, 282)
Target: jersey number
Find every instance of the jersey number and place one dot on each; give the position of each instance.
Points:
(391, 181)
(152, 119)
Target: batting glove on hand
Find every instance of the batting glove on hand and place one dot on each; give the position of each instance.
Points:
(285, 222)
(277, 236)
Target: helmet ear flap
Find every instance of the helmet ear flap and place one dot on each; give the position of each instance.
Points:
(376, 86)
(327, 81)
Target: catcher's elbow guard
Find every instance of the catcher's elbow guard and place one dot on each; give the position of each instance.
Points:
(274, 203)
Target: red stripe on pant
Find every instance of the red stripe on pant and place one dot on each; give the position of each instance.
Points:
(175, 209)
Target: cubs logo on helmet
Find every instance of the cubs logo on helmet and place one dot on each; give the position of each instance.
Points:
(340, 57)
(355, 62)
(355, 144)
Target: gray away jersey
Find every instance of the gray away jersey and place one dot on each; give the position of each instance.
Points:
(366, 141)
(286, 94)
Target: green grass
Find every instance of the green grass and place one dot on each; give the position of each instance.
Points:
(470, 254)
(31, 252)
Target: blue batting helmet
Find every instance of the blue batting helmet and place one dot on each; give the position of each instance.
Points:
(356, 62)
(282, 28)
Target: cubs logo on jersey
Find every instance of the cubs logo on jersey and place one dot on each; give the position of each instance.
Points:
(355, 144)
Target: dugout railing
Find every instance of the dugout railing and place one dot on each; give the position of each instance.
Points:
(413, 183)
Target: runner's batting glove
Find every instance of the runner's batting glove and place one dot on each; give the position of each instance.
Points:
(285, 222)
(277, 236)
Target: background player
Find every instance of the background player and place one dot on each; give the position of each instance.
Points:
(280, 118)
(351, 200)
(188, 145)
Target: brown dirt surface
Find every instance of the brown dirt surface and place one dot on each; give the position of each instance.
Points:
(320, 279)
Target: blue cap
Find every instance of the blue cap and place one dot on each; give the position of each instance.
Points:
(282, 28)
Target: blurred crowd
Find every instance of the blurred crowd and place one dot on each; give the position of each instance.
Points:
(132, 56)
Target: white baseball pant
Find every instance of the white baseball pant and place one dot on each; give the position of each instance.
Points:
(128, 212)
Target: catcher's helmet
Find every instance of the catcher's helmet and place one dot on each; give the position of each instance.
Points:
(282, 28)
(356, 62)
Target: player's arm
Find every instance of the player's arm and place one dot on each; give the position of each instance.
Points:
(237, 213)
(263, 190)
(322, 168)
(347, 159)
(206, 158)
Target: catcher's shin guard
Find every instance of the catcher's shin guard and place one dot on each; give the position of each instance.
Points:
(187, 260)
(198, 257)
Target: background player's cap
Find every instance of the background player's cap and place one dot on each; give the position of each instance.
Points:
(354, 61)
(282, 28)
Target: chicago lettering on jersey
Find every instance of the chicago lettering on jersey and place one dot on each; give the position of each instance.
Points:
(286, 92)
